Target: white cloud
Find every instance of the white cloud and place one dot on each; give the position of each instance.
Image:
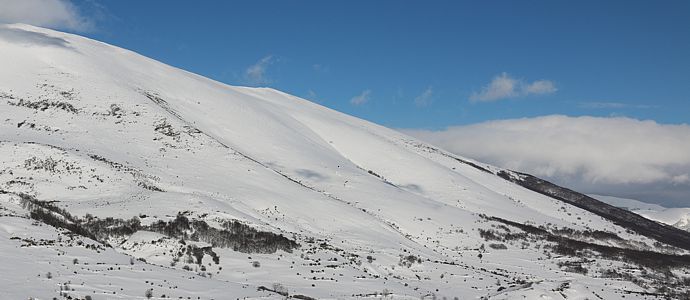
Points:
(540, 87)
(613, 105)
(361, 98)
(256, 73)
(425, 98)
(504, 86)
(594, 154)
(58, 14)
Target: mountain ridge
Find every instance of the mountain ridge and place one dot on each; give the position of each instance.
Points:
(165, 169)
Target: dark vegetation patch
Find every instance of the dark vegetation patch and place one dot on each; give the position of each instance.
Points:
(50, 165)
(655, 268)
(163, 127)
(115, 111)
(47, 100)
(302, 297)
(115, 165)
(276, 288)
(34, 126)
(7, 96)
(574, 266)
(409, 260)
(149, 187)
(629, 220)
(587, 234)
(498, 246)
(195, 254)
(280, 289)
(568, 246)
(18, 182)
(374, 174)
(45, 104)
(155, 98)
(47, 212)
(234, 234)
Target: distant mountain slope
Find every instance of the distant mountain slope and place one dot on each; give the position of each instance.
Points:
(631, 221)
(122, 177)
(678, 217)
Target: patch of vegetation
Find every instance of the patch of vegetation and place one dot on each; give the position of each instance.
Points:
(50, 165)
(163, 127)
(374, 174)
(624, 218)
(498, 246)
(115, 111)
(409, 260)
(44, 104)
(574, 266)
(655, 267)
(34, 126)
(149, 187)
(276, 288)
(234, 234)
(567, 246)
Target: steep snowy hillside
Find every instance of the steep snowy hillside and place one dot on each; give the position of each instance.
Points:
(677, 216)
(124, 178)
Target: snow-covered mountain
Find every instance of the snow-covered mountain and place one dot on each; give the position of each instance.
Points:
(676, 216)
(124, 178)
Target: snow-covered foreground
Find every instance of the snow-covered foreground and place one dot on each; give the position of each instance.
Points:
(125, 178)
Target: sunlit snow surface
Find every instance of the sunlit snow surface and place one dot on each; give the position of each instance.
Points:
(106, 132)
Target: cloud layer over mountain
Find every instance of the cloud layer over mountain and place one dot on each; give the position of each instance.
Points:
(621, 156)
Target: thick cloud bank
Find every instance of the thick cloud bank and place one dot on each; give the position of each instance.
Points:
(614, 156)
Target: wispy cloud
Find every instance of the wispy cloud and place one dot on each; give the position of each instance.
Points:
(319, 68)
(597, 155)
(58, 14)
(540, 87)
(425, 98)
(256, 73)
(504, 86)
(361, 98)
(312, 96)
(613, 105)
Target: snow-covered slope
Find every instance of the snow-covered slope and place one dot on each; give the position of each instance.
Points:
(121, 176)
(677, 216)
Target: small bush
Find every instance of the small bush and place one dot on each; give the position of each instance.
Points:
(498, 246)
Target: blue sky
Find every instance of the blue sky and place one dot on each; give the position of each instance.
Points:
(604, 58)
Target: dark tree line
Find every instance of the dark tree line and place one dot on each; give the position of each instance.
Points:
(233, 234)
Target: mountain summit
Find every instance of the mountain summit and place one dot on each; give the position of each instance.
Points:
(124, 178)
